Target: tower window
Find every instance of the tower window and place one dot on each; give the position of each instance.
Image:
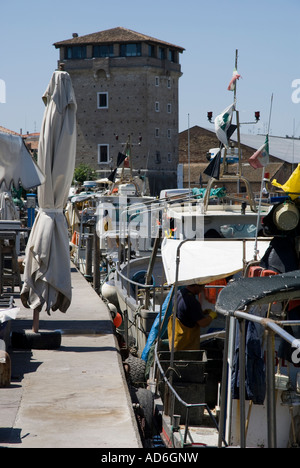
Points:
(162, 53)
(151, 50)
(76, 52)
(131, 50)
(103, 50)
(102, 100)
(172, 55)
(103, 154)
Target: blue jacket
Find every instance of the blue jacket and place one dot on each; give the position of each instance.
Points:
(255, 378)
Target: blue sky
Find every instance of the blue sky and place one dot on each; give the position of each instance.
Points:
(265, 33)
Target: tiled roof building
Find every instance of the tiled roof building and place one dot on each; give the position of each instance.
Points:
(198, 141)
(126, 84)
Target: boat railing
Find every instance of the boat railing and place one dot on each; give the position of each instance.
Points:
(175, 419)
(272, 328)
(134, 288)
(239, 317)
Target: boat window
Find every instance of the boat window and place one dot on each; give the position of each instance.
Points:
(238, 230)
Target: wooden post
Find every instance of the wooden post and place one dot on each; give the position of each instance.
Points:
(97, 258)
(5, 369)
(89, 255)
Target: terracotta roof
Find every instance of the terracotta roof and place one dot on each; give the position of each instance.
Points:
(201, 140)
(251, 175)
(6, 130)
(113, 35)
(31, 140)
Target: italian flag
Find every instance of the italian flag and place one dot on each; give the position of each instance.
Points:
(261, 157)
(235, 76)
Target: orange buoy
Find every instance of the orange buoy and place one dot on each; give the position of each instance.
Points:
(211, 294)
(118, 320)
(75, 238)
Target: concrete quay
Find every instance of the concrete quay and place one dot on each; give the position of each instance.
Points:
(75, 396)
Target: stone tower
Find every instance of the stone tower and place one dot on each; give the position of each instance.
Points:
(126, 86)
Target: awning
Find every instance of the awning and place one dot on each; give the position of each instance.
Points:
(16, 164)
(204, 261)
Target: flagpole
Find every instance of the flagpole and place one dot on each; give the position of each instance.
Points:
(189, 162)
(238, 124)
(256, 251)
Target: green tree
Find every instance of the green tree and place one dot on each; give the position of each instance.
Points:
(84, 172)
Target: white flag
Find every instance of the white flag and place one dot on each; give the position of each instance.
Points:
(222, 123)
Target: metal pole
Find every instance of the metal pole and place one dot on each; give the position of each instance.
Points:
(224, 384)
(97, 259)
(242, 390)
(189, 162)
(270, 381)
(89, 255)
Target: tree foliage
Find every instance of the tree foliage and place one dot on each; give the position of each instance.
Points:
(84, 172)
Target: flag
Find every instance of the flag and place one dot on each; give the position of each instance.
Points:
(121, 158)
(292, 185)
(261, 157)
(213, 169)
(222, 123)
(112, 175)
(232, 84)
(232, 128)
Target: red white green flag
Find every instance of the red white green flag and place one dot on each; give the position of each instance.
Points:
(261, 157)
(232, 84)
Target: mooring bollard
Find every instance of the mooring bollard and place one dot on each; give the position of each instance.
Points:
(5, 369)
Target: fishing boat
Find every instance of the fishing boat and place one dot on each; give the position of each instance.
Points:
(140, 281)
(94, 215)
(242, 387)
(237, 389)
(177, 215)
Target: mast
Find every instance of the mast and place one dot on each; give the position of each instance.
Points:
(224, 175)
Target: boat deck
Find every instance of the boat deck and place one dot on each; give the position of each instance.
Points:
(75, 396)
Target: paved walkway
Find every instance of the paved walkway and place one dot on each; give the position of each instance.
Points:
(75, 396)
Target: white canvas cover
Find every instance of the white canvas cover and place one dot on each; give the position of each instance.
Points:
(16, 164)
(47, 278)
(9, 314)
(203, 261)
